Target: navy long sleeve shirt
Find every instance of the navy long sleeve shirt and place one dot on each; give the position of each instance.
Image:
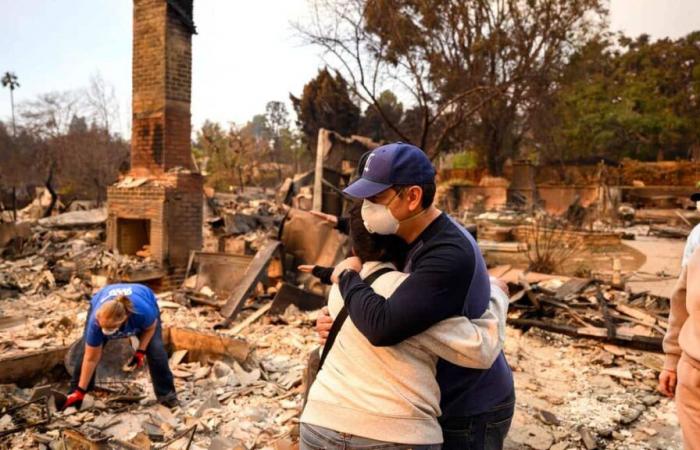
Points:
(447, 277)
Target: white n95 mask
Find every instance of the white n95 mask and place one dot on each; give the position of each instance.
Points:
(378, 219)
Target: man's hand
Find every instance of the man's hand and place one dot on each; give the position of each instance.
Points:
(136, 360)
(75, 398)
(306, 268)
(501, 284)
(667, 382)
(327, 217)
(323, 324)
(352, 262)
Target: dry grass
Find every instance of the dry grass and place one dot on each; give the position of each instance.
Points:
(548, 246)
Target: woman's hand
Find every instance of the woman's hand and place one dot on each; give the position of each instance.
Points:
(136, 360)
(74, 399)
(352, 263)
(667, 382)
(324, 322)
(502, 285)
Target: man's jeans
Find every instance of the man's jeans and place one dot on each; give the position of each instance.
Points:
(157, 359)
(313, 437)
(485, 431)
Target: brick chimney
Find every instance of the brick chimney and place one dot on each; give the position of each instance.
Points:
(161, 80)
(158, 209)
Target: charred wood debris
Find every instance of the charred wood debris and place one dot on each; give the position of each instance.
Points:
(240, 328)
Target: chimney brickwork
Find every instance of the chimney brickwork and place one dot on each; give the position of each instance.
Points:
(161, 88)
(170, 198)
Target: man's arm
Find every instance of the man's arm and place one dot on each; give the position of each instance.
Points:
(470, 343)
(434, 291)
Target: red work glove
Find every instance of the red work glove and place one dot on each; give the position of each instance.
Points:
(137, 360)
(75, 398)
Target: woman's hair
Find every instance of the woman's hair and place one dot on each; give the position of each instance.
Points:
(374, 247)
(117, 309)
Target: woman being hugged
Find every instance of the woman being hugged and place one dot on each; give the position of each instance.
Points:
(368, 397)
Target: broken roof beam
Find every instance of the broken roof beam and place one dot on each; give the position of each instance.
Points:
(25, 367)
(621, 338)
(251, 318)
(253, 274)
(206, 345)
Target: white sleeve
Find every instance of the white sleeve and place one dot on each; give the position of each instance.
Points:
(690, 245)
(470, 343)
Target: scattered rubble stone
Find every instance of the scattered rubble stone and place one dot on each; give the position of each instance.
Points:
(561, 382)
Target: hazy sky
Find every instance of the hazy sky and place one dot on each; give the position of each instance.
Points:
(246, 52)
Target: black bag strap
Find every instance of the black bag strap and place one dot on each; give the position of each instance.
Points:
(343, 314)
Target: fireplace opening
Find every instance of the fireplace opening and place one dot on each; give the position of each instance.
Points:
(133, 235)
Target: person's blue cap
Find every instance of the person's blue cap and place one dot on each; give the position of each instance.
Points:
(389, 165)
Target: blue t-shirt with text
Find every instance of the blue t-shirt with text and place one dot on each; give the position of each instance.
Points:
(145, 312)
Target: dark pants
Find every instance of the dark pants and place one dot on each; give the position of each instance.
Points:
(485, 431)
(157, 358)
(313, 437)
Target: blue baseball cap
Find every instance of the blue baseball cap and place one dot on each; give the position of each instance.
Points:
(389, 165)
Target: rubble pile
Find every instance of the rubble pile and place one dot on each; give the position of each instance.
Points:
(241, 223)
(47, 277)
(58, 249)
(594, 388)
(580, 394)
(37, 321)
(571, 393)
(249, 404)
(588, 308)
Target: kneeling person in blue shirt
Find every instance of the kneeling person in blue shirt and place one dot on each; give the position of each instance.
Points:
(117, 311)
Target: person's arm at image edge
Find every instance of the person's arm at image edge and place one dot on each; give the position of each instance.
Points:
(671, 347)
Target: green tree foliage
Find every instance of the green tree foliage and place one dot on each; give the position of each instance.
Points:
(260, 127)
(630, 98)
(261, 152)
(373, 124)
(287, 145)
(476, 71)
(325, 103)
(277, 119)
(226, 152)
